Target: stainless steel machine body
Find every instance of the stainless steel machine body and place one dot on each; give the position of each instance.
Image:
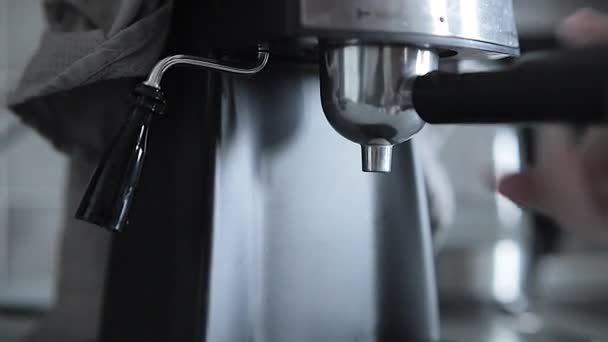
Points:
(307, 247)
(478, 28)
(385, 36)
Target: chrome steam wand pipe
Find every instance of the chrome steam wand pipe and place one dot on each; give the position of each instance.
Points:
(156, 75)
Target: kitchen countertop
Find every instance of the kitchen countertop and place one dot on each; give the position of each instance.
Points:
(583, 322)
(471, 322)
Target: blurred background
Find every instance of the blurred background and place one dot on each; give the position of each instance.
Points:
(32, 186)
(504, 274)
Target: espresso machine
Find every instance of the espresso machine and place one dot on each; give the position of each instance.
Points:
(303, 245)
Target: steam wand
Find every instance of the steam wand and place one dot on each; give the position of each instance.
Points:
(111, 191)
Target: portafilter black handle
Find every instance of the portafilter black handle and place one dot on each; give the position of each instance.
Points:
(562, 86)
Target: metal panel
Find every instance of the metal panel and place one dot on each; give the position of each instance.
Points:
(306, 246)
(486, 21)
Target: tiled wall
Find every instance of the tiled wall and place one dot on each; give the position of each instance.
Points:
(32, 174)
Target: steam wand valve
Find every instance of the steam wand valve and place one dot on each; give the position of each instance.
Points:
(113, 187)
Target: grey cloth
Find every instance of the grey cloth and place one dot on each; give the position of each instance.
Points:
(75, 92)
(88, 41)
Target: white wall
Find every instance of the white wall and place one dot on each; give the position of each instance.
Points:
(32, 174)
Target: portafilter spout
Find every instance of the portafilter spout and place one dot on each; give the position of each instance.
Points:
(366, 92)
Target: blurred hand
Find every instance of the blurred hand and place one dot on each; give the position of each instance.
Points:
(570, 183)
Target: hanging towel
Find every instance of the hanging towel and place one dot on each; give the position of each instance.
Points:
(76, 88)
